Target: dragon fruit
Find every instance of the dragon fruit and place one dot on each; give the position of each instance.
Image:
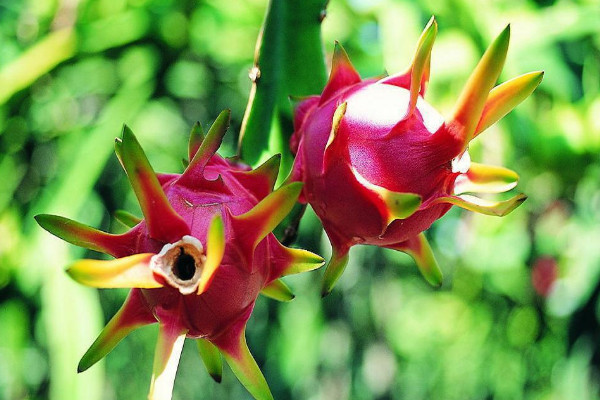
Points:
(380, 165)
(196, 262)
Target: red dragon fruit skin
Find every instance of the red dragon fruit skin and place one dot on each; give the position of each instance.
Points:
(196, 262)
(380, 165)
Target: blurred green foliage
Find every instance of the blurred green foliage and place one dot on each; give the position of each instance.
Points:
(73, 71)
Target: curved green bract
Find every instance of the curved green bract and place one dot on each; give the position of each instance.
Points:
(211, 357)
(278, 290)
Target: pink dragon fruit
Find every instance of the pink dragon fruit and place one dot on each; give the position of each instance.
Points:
(380, 165)
(196, 262)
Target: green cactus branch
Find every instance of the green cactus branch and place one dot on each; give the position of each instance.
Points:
(288, 61)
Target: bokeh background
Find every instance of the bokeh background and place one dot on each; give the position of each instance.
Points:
(518, 315)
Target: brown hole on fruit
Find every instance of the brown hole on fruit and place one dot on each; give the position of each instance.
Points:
(181, 264)
(184, 266)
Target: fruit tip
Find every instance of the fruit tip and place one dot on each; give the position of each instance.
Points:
(295, 187)
(126, 131)
(81, 368)
(69, 271)
(540, 75)
(506, 31)
(295, 100)
(500, 44)
(432, 21)
(45, 221)
(339, 53)
(326, 288)
(536, 76)
(226, 113)
(502, 40)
